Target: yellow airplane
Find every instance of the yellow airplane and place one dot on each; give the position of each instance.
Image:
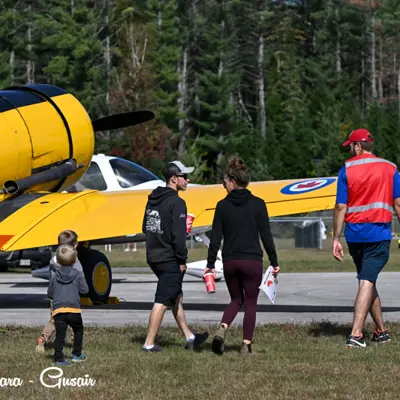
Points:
(48, 142)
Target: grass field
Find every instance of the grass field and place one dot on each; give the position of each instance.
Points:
(291, 259)
(294, 362)
(307, 362)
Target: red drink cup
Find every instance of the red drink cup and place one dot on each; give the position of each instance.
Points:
(209, 280)
(189, 222)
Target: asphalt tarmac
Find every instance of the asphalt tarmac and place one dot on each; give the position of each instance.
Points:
(301, 298)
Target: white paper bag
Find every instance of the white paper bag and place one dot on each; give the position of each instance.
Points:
(269, 284)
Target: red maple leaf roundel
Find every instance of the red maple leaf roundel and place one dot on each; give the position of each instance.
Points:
(308, 185)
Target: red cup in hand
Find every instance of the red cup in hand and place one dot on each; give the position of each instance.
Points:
(209, 280)
(189, 223)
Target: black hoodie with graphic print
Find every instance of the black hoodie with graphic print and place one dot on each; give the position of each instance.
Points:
(164, 224)
(241, 219)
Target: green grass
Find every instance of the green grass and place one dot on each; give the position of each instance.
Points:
(291, 259)
(294, 362)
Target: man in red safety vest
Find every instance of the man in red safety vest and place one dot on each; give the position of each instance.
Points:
(368, 189)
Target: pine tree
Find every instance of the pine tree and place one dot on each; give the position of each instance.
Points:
(68, 51)
(134, 87)
(217, 126)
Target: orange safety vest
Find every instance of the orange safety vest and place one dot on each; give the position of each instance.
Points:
(370, 189)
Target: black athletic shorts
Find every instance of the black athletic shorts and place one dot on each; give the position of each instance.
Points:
(169, 286)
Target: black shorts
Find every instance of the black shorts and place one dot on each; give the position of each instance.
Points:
(169, 286)
(369, 258)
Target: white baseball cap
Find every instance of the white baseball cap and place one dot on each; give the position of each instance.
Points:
(182, 168)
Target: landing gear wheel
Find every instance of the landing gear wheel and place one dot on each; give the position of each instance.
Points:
(97, 270)
(3, 265)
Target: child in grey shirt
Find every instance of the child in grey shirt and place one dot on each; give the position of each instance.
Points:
(64, 289)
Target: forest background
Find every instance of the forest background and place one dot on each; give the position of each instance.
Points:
(281, 83)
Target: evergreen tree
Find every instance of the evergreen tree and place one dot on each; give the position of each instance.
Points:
(280, 83)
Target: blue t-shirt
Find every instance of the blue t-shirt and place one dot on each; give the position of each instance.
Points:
(365, 232)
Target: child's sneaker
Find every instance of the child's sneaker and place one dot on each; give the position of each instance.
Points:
(63, 363)
(40, 344)
(81, 358)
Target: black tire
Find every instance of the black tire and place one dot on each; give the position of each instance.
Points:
(97, 270)
(3, 262)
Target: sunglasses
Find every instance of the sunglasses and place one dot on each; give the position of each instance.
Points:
(184, 176)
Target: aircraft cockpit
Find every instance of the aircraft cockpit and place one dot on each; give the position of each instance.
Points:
(107, 173)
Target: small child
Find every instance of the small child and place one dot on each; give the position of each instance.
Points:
(64, 288)
(49, 331)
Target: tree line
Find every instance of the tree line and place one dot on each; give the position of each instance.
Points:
(280, 82)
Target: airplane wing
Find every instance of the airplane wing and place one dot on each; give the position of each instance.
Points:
(36, 219)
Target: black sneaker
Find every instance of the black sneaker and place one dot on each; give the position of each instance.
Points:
(381, 337)
(199, 338)
(356, 341)
(155, 349)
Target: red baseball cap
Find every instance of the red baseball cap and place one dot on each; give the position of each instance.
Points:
(359, 135)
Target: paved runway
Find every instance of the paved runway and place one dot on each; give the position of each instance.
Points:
(301, 298)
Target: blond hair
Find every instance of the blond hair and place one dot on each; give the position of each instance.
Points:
(66, 255)
(68, 237)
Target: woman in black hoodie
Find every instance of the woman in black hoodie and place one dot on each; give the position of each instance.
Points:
(240, 219)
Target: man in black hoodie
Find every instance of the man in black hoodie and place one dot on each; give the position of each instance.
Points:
(164, 224)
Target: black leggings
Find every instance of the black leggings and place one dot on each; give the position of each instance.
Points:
(243, 277)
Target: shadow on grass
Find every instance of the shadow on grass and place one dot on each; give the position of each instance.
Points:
(165, 342)
(67, 345)
(228, 348)
(326, 328)
(178, 342)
